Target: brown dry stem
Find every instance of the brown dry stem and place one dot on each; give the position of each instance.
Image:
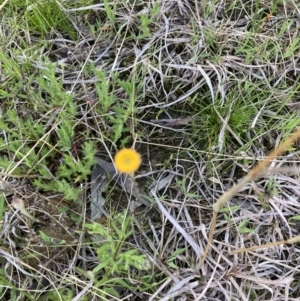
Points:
(273, 244)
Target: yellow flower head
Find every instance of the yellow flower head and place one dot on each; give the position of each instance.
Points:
(127, 160)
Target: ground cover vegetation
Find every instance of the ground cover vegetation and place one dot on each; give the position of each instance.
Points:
(203, 91)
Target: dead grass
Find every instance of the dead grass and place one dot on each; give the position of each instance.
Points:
(204, 91)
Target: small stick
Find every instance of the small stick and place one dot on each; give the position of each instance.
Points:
(270, 244)
(3, 4)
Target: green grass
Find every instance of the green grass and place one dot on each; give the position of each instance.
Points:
(201, 91)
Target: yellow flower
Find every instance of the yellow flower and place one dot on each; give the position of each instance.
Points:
(127, 160)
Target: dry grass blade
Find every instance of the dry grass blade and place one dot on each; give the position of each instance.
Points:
(3, 4)
(187, 237)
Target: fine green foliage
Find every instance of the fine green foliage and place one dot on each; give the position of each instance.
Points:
(120, 109)
(34, 145)
(116, 258)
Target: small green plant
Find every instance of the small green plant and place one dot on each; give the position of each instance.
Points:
(116, 259)
(242, 227)
(116, 111)
(146, 19)
(70, 171)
